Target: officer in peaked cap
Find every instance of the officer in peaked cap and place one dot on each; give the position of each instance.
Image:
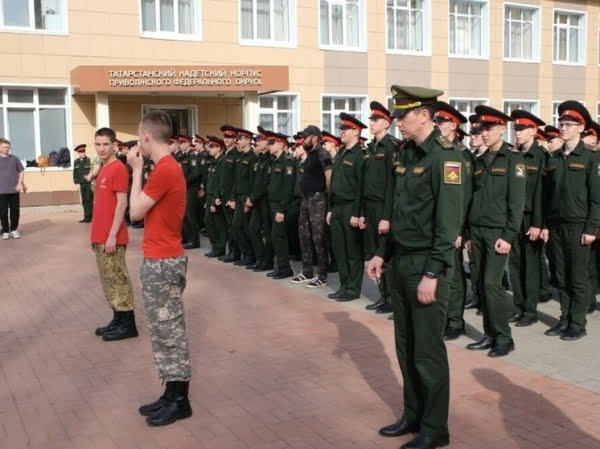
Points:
(426, 218)
(555, 142)
(591, 136)
(526, 251)
(192, 173)
(82, 167)
(214, 216)
(230, 134)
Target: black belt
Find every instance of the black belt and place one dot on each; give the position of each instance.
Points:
(312, 194)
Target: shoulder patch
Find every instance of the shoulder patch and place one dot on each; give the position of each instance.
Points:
(445, 143)
(452, 173)
(461, 146)
(590, 147)
(289, 170)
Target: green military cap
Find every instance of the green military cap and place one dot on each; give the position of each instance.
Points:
(490, 116)
(80, 148)
(552, 132)
(575, 111)
(524, 119)
(446, 113)
(410, 97)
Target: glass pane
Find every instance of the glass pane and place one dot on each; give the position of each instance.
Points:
(20, 96)
(462, 8)
(263, 19)
(337, 121)
(284, 102)
(51, 96)
(324, 22)
(16, 13)
(148, 15)
(337, 25)
(573, 44)
(562, 44)
(186, 17)
(453, 35)
(402, 31)
(53, 130)
(167, 15)
(284, 123)
(417, 31)
(476, 37)
(528, 15)
(527, 40)
(326, 104)
(281, 17)
(48, 14)
(352, 25)
(516, 43)
(266, 121)
(2, 123)
(507, 42)
(326, 118)
(265, 101)
(390, 28)
(247, 20)
(339, 104)
(354, 104)
(22, 133)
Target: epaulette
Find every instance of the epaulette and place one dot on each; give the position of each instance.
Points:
(445, 143)
(461, 146)
(590, 147)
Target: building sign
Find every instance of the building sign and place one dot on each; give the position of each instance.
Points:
(89, 79)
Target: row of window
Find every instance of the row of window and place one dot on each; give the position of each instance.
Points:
(342, 25)
(37, 120)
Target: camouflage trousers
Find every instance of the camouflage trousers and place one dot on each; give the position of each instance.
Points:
(114, 277)
(163, 282)
(311, 226)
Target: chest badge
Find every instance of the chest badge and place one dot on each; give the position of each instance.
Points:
(452, 174)
(520, 170)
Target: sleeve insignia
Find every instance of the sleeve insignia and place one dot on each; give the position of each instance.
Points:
(452, 173)
(520, 170)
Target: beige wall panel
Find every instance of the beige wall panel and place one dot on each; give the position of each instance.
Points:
(407, 70)
(468, 78)
(345, 72)
(52, 180)
(568, 82)
(10, 69)
(520, 80)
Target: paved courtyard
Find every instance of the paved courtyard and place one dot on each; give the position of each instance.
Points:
(276, 366)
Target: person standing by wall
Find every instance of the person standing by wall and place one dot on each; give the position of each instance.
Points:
(82, 167)
(11, 186)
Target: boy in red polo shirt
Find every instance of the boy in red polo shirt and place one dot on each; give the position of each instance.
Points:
(109, 238)
(162, 206)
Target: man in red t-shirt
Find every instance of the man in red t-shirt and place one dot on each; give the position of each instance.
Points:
(161, 204)
(109, 238)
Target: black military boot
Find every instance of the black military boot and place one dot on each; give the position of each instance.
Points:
(109, 327)
(176, 405)
(125, 327)
(153, 407)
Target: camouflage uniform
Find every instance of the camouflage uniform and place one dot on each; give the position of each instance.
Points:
(114, 277)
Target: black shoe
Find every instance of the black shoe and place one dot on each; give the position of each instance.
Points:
(176, 406)
(263, 266)
(191, 245)
(515, 317)
(573, 334)
(345, 297)
(250, 263)
(386, 307)
(83, 220)
(471, 304)
(273, 273)
(336, 295)
(479, 312)
(526, 321)
(545, 298)
(485, 343)
(252, 266)
(398, 429)
(109, 327)
(422, 441)
(240, 263)
(232, 257)
(285, 273)
(153, 407)
(556, 330)
(501, 349)
(391, 317)
(376, 305)
(125, 327)
(591, 308)
(214, 254)
(222, 257)
(452, 333)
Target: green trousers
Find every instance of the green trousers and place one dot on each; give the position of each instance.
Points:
(458, 292)
(291, 220)
(370, 240)
(572, 272)
(594, 253)
(347, 247)
(545, 289)
(525, 270)
(228, 214)
(215, 227)
(279, 238)
(490, 268)
(260, 231)
(240, 227)
(191, 228)
(420, 348)
(87, 199)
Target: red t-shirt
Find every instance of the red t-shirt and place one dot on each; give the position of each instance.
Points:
(112, 178)
(164, 221)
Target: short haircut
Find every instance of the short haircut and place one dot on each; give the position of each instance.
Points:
(4, 141)
(426, 107)
(106, 132)
(158, 124)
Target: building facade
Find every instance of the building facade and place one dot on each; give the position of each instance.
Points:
(71, 66)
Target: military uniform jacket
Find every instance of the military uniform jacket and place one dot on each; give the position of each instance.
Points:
(203, 162)
(378, 181)
(282, 181)
(499, 192)
(191, 170)
(428, 201)
(243, 175)
(213, 179)
(467, 184)
(260, 180)
(81, 167)
(228, 175)
(572, 188)
(534, 160)
(347, 179)
(299, 174)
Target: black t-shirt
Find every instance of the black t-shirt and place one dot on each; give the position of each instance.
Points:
(317, 162)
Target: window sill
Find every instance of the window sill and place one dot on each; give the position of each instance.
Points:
(523, 61)
(47, 169)
(33, 31)
(172, 37)
(390, 51)
(264, 43)
(481, 58)
(342, 48)
(574, 64)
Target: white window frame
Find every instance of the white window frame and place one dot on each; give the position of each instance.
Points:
(31, 28)
(426, 33)
(510, 131)
(173, 35)
(598, 112)
(363, 107)
(485, 31)
(466, 127)
(4, 87)
(192, 108)
(536, 32)
(295, 109)
(362, 32)
(582, 38)
(393, 129)
(292, 23)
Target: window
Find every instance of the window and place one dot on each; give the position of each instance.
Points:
(394, 131)
(512, 105)
(521, 33)
(466, 106)
(343, 24)
(468, 28)
(406, 21)
(569, 37)
(171, 19)
(34, 15)
(268, 22)
(279, 113)
(34, 120)
(332, 106)
(598, 113)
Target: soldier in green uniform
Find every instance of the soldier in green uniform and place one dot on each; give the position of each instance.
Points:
(240, 192)
(344, 210)
(378, 185)
(81, 170)
(572, 215)
(294, 213)
(227, 179)
(331, 144)
(526, 250)
(448, 119)
(203, 157)
(215, 218)
(494, 220)
(282, 181)
(258, 204)
(426, 218)
(190, 235)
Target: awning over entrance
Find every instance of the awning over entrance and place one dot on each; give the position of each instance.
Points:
(91, 79)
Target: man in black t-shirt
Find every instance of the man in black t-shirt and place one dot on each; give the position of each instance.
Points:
(314, 184)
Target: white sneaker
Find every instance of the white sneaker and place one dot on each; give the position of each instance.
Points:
(5, 236)
(15, 234)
